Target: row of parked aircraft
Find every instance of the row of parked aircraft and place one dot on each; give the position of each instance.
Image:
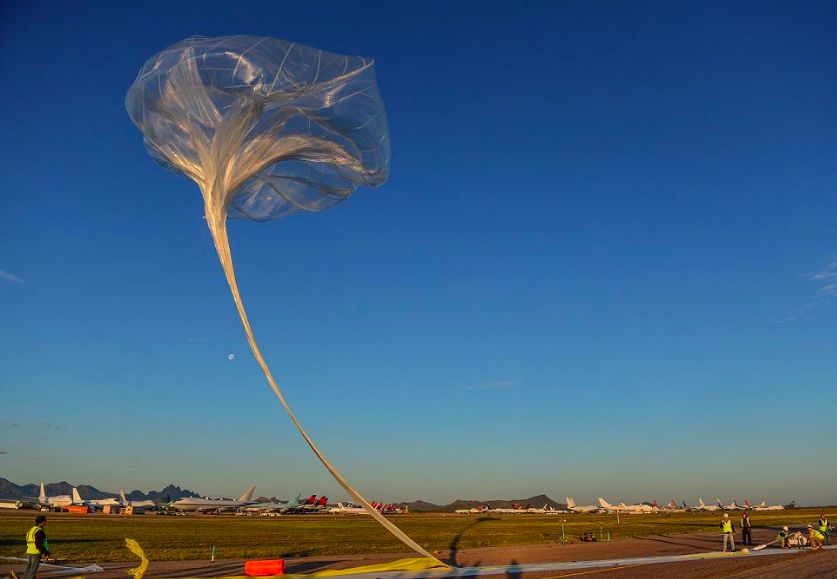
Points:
(243, 504)
(602, 506)
(643, 508)
(517, 509)
(74, 500)
(246, 505)
(296, 506)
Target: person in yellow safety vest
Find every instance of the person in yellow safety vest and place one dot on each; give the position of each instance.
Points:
(822, 527)
(815, 538)
(36, 546)
(727, 528)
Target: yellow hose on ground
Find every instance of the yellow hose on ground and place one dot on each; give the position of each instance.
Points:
(414, 564)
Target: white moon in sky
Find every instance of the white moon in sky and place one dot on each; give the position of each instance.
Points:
(231, 357)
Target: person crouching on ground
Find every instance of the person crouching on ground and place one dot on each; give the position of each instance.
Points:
(782, 538)
(36, 546)
(727, 528)
(746, 529)
(815, 538)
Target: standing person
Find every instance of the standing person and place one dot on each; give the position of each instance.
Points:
(746, 532)
(727, 528)
(36, 546)
(822, 527)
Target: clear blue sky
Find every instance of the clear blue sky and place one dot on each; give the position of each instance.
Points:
(600, 265)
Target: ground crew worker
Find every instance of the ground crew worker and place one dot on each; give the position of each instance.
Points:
(822, 527)
(815, 538)
(36, 546)
(727, 528)
(746, 532)
(782, 538)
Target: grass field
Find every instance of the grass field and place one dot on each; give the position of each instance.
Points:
(100, 538)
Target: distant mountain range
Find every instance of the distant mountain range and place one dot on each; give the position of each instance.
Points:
(10, 490)
(538, 501)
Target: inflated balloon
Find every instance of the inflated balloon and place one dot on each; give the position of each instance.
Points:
(266, 128)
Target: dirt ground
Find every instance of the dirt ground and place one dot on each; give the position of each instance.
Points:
(796, 564)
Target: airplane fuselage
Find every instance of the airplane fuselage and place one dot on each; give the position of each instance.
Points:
(194, 505)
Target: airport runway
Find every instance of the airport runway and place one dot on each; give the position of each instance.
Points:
(661, 557)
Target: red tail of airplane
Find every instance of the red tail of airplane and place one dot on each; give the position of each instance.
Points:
(311, 500)
(322, 502)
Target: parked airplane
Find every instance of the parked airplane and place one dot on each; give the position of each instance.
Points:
(280, 507)
(637, 509)
(18, 504)
(479, 509)
(57, 501)
(704, 507)
(347, 509)
(93, 504)
(147, 504)
(763, 506)
(206, 504)
(546, 510)
(97, 504)
(309, 506)
(672, 507)
(733, 506)
(516, 509)
(388, 508)
(574, 508)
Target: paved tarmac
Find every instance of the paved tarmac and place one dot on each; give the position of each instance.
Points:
(659, 556)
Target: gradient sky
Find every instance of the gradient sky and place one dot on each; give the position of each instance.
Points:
(605, 262)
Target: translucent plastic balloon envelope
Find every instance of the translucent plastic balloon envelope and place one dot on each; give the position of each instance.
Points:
(266, 128)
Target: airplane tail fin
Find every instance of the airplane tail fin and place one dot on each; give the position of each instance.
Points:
(700, 502)
(76, 496)
(746, 503)
(604, 504)
(42, 496)
(570, 502)
(720, 504)
(122, 495)
(248, 495)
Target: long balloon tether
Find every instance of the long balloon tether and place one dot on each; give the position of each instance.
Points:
(218, 227)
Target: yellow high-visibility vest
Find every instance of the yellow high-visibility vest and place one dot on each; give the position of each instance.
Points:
(823, 526)
(727, 526)
(31, 549)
